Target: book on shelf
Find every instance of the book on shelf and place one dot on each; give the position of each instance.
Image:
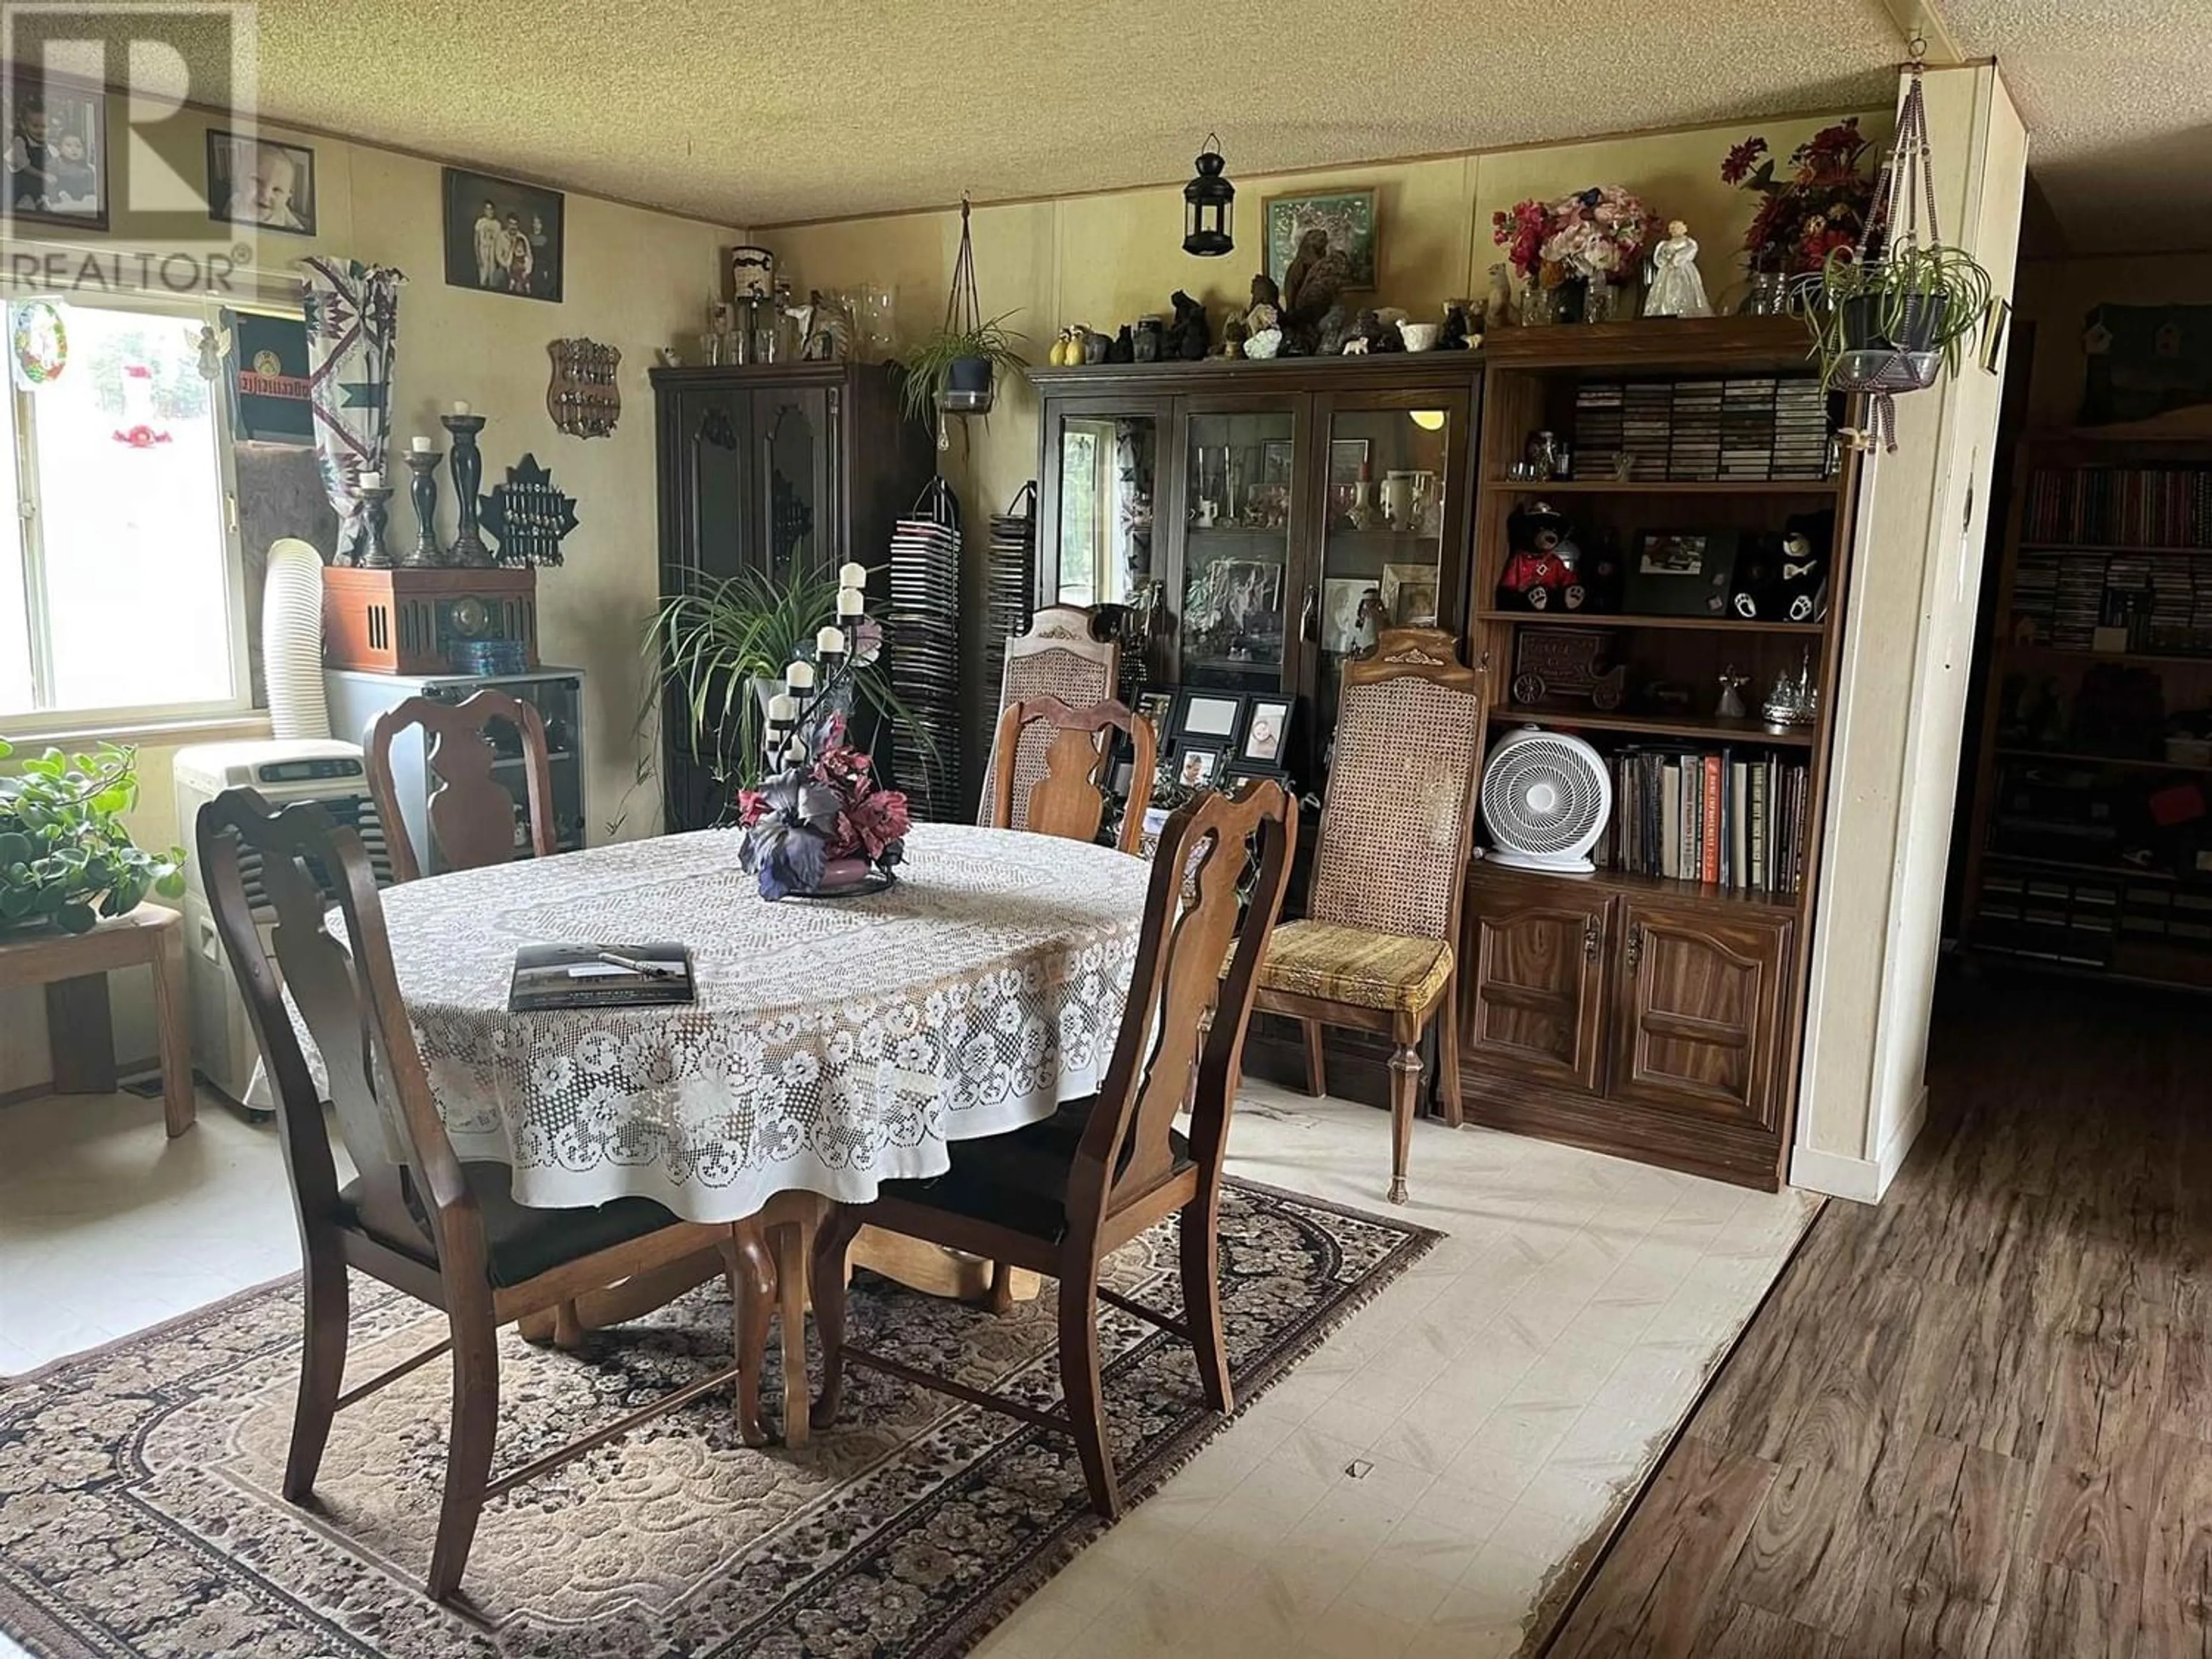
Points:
(1717, 817)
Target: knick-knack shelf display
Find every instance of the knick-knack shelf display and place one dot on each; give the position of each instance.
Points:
(582, 397)
(529, 515)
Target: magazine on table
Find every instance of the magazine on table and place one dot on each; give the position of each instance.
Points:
(548, 977)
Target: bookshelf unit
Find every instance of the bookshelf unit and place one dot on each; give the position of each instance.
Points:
(2089, 848)
(1652, 1016)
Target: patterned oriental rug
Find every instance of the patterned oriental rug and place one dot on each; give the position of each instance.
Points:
(139, 1512)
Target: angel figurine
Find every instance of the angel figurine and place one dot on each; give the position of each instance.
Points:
(1677, 290)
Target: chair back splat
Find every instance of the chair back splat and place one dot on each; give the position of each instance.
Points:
(1182, 1027)
(1069, 791)
(471, 813)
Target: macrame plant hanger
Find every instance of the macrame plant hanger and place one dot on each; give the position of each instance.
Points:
(1907, 180)
(963, 314)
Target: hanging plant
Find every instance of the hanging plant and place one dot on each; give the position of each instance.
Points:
(955, 370)
(1892, 312)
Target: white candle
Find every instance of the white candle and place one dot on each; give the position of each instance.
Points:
(799, 676)
(781, 709)
(851, 602)
(420, 445)
(852, 575)
(829, 642)
(460, 409)
(372, 481)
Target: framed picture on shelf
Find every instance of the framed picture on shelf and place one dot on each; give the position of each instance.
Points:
(1344, 220)
(502, 237)
(1198, 767)
(1345, 456)
(1275, 461)
(1266, 733)
(261, 183)
(1409, 594)
(1212, 717)
(1155, 707)
(1348, 605)
(55, 134)
(1677, 573)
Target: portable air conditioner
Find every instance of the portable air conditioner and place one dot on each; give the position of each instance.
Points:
(283, 771)
(1546, 798)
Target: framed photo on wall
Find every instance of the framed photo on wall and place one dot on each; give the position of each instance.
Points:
(502, 237)
(1345, 220)
(56, 132)
(260, 182)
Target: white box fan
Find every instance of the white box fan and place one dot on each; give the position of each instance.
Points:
(1546, 798)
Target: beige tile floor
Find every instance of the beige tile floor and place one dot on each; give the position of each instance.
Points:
(1409, 1490)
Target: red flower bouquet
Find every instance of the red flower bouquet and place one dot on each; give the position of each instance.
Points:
(1820, 207)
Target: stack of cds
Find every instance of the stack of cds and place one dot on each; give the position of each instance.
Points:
(1010, 564)
(922, 643)
(1757, 428)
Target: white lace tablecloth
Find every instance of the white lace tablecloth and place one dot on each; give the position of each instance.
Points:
(835, 1044)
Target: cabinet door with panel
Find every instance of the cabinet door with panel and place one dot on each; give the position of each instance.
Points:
(1699, 1007)
(1534, 995)
(794, 440)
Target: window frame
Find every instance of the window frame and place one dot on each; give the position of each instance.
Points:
(30, 528)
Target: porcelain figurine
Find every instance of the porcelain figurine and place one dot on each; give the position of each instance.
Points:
(1124, 348)
(1677, 290)
(1730, 707)
(1188, 336)
(1233, 335)
(1498, 310)
(1264, 343)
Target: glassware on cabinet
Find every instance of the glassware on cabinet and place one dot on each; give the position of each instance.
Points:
(1236, 509)
(1108, 483)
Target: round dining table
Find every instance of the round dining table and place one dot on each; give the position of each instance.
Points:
(834, 1043)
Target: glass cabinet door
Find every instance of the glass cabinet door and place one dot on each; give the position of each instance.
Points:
(1109, 487)
(1238, 498)
(1387, 515)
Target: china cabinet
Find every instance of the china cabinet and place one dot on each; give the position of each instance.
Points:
(1266, 516)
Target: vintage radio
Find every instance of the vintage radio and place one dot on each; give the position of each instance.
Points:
(431, 622)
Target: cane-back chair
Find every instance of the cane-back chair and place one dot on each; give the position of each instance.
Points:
(417, 1216)
(1073, 792)
(1061, 656)
(1058, 1196)
(470, 813)
(1374, 951)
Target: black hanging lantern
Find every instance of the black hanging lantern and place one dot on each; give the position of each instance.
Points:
(1209, 202)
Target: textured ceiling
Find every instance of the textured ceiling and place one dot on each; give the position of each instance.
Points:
(755, 117)
(2117, 99)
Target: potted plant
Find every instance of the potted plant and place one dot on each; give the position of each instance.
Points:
(713, 641)
(1896, 322)
(66, 859)
(956, 369)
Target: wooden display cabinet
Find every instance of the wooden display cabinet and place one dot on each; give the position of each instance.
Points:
(1653, 1017)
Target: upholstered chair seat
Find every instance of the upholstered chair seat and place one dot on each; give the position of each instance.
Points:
(520, 1241)
(1331, 963)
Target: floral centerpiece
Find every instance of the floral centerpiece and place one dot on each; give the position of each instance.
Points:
(1577, 252)
(823, 825)
(1820, 207)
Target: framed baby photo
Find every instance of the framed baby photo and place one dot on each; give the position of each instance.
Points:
(261, 183)
(502, 237)
(1267, 734)
(56, 133)
(1212, 717)
(1198, 767)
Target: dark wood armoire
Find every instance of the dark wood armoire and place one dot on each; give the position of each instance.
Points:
(781, 468)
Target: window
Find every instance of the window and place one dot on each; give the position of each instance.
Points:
(119, 593)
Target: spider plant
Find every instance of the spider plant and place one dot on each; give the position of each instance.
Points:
(710, 642)
(964, 357)
(1921, 301)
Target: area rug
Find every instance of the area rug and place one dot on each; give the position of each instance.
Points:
(139, 1511)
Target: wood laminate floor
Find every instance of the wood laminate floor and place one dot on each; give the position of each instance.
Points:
(1978, 1419)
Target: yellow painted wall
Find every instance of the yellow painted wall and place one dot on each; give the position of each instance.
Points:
(634, 279)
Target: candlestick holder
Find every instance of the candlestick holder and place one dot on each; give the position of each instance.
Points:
(469, 547)
(422, 490)
(375, 508)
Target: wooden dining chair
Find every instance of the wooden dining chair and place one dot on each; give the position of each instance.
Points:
(447, 1232)
(1071, 794)
(471, 813)
(1374, 951)
(1058, 1197)
(1063, 656)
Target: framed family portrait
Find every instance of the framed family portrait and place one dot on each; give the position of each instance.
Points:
(1212, 717)
(1409, 594)
(1198, 767)
(56, 156)
(260, 182)
(1267, 734)
(502, 237)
